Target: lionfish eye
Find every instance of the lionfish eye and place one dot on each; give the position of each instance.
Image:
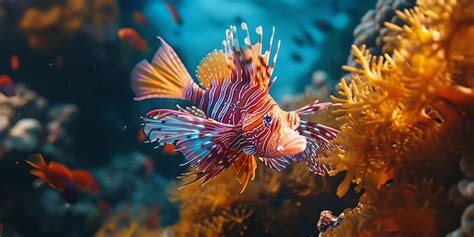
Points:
(267, 119)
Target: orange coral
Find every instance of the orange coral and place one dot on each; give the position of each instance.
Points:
(47, 27)
(127, 224)
(267, 207)
(388, 110)
(407, 115)
(399, 209)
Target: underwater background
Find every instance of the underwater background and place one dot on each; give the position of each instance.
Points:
(65, 94)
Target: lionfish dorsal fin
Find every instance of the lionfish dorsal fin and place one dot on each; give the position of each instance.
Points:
(213, 67)
(249, 63)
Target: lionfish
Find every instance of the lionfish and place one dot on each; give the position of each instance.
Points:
(235, 121)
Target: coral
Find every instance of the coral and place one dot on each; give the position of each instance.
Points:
(30, 124)
(267, 208)
(25, 134)
(102, 19)
(126, 223)
(465, 193)
(406, 121)
(327, 221)
(46, 28)
(372, 31)
(124, 179)
(411, 205)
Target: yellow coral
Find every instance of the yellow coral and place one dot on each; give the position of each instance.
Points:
(406, 118)
(388, 110)
(274, 198)
(399, 209)
(127, 224)
(47, 27)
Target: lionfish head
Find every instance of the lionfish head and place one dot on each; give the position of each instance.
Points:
(273, 134)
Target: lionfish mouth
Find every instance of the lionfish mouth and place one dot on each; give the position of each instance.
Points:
(292, 146)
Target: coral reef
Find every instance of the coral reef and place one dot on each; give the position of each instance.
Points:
(406, 122)
(29, 123)
(47, 28)
(327, 221)
(136, 198)
(372, 31)
(463, 194)
(125, 177)
(127, 223)
(266, 208)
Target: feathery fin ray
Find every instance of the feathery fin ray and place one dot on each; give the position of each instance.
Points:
(206, 143)
(165, 77)
(249, 63)
(245, 166)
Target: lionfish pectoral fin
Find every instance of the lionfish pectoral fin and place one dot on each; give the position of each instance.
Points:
(211, 167)
(279, 164)
(318, 138)
(208, 146)
(193, 110)
(320, 134)
(165, 77)
(313, 107)
(245, 166)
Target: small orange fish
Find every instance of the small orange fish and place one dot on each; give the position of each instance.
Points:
(133, 39)
(149, 166)
(62, 178)
(174, 12)
(140, 18)
(14, 62)
(6, 85)
(169, 149)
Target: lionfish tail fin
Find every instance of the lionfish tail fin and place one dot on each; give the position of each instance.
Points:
(165, 77)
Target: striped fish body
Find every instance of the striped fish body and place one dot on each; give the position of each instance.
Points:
(229, 101)
(235, 121)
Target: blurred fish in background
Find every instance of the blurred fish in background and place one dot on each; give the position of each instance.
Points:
(63, 179)
(6, 85)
